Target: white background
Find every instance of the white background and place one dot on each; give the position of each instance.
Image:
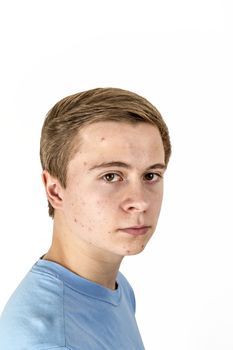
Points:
(177, 54)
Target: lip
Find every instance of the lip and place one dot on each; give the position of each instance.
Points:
(136, 231)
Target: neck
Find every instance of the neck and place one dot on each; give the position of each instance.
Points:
(87, 262)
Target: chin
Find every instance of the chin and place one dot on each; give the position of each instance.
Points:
(134, 250)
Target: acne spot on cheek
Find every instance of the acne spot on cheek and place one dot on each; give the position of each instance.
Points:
(85, 163)
(143, 246)
(75, 220)
(102, 138)
(127, 251)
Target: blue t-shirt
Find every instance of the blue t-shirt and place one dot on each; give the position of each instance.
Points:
(54, 308)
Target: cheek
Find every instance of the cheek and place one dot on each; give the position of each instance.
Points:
(89, 211)
(156, 200)
(104, 208)
(102, 197)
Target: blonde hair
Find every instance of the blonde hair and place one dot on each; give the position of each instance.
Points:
(59, 140)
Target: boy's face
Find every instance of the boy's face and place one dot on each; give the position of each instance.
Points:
(98, 203)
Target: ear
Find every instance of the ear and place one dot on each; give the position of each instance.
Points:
(53, 189)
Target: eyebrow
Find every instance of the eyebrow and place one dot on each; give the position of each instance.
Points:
(125, 165)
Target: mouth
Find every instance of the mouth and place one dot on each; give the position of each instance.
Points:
(136, 230)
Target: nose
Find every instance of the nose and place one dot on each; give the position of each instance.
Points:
(135, 199)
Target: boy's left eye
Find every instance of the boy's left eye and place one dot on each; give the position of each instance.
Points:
(153, 175)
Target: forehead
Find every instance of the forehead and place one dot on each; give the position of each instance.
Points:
(109, 140)
(118, 132)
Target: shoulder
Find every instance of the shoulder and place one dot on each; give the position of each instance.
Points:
(33, 314)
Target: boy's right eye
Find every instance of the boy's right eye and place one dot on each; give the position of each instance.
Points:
(109, 177)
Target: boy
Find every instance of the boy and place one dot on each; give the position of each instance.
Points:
(104, 153)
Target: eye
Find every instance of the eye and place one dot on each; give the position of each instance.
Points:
(108, 177)
(153, 176)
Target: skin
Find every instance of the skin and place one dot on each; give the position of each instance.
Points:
(93, 207)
